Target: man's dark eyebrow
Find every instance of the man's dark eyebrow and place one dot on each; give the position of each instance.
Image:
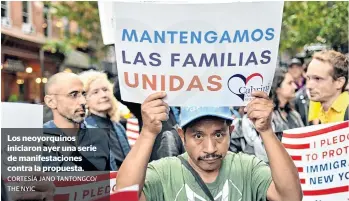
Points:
(194, 130)
(73, 92)
(223, 129)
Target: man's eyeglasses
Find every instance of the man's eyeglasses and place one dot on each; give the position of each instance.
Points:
(73, 94)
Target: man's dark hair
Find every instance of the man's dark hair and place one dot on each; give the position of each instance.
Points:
(339, 62)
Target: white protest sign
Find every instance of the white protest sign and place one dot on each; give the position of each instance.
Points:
(105, 9)
(321, 154)
(18, 120)
(21, 115)
(200, 54)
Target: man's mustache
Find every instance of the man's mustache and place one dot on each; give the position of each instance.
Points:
(210, 156)
(83, 108)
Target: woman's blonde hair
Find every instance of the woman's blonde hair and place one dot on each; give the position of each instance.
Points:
(87, 77)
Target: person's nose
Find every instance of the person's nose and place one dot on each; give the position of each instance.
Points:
(309, 84)
(82, 100)
(104, 94)
(210, 146)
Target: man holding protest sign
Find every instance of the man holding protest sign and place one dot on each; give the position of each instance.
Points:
(195, 58)
(207, 170)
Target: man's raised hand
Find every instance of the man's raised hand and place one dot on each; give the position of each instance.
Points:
(154, 111)
(260, 111)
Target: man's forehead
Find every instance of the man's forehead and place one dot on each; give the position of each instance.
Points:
(314, 67)
(316, 63)
(69, 85)
(204, 123)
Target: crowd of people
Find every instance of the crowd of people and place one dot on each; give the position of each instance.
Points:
(200, 152)
(303, 95)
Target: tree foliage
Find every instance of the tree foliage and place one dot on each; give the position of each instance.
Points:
(305, 23)
(85, 14)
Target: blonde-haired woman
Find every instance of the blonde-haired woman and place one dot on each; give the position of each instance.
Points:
(103, 109)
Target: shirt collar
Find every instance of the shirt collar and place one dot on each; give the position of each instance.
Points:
(82, 125)
(101, 122)
(341, 103)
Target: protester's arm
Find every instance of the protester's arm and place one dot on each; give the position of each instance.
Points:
(133, 169)
(285, 185)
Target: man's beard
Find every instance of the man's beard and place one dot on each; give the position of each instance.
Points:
(75, 120)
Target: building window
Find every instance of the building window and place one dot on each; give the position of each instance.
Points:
(26, 11)
(47, 21)
(4, 9)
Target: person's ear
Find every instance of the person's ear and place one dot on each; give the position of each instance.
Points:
(231, 128)
(339, 83)
(181, 134)
(50, 101)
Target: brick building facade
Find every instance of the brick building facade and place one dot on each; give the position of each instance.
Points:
(25, 27)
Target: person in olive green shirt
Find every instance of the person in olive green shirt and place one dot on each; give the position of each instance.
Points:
(205, 133)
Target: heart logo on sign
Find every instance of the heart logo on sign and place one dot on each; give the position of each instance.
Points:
(245, 80)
